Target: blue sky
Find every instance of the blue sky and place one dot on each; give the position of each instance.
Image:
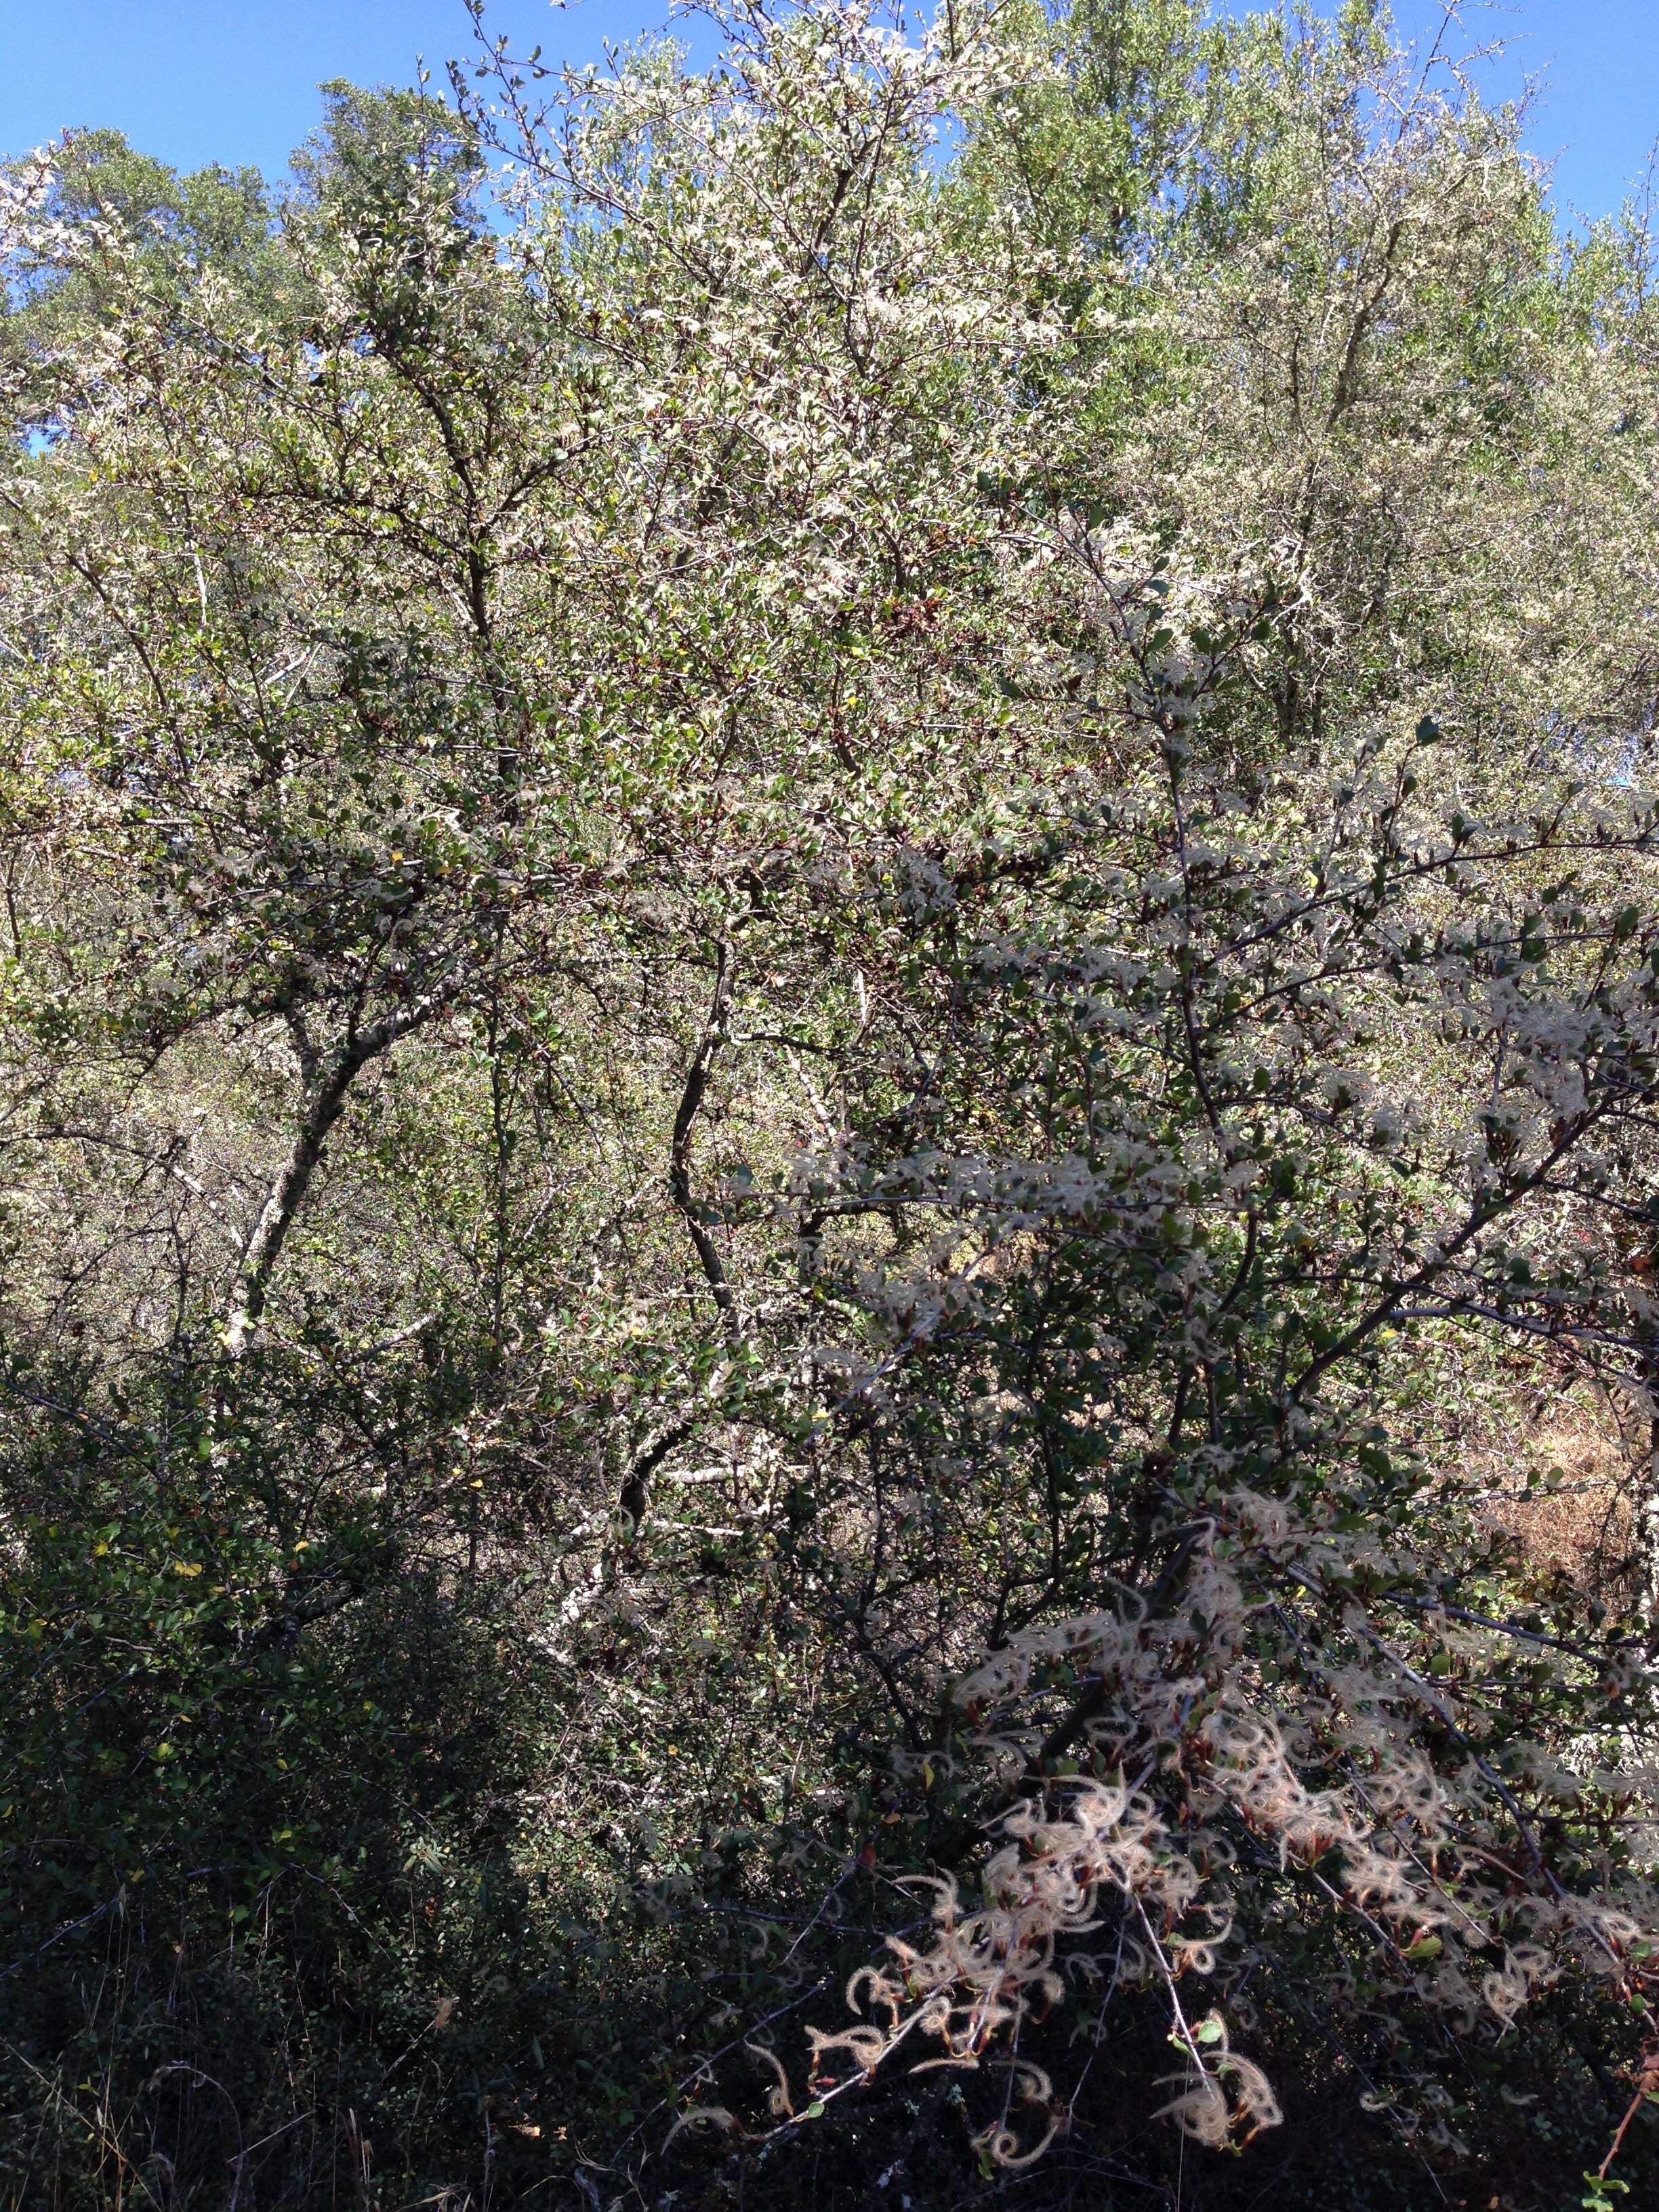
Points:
(234, 80)
(1596, 113)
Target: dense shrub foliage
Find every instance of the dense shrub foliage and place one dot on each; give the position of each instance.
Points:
(830, 986)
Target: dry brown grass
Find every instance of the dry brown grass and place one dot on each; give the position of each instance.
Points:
(1582, 1526)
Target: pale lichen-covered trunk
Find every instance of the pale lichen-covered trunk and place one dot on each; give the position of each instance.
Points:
(325, 1104)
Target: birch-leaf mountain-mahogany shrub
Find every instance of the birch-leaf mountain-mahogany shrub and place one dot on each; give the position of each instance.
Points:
(789, 827)
(450, 607)
(427, 643)
(1328, 1079)
(1243, 1126)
